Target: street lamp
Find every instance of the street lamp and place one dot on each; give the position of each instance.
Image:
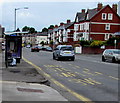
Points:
(15, 15)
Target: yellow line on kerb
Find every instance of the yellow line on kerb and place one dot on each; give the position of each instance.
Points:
(80, 97)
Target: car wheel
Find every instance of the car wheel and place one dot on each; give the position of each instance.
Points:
(72, 59)
(58, 58)
(113, 60)
(53, 56)
(103, 59)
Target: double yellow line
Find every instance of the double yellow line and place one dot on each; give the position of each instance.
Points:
(79, 96)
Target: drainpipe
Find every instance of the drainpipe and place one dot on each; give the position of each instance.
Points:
(89, 30)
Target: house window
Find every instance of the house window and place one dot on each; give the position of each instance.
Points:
(107, 27)
(76, 27)
(81, 26)
(110, 16)
(103, 16)
(107, 36)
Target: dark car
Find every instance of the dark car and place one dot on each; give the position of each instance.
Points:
(49, 49)
(44, 48)
(35, 48)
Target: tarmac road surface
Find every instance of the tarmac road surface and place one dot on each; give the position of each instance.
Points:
(86, 78)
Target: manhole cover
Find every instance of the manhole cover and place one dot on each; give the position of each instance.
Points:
(30, 90)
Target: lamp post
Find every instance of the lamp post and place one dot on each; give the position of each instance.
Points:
(15, 16)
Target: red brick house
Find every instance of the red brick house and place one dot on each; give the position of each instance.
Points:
(70, 32)
(97, 24)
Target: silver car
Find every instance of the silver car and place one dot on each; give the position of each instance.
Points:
(111, 54)
(64, 51)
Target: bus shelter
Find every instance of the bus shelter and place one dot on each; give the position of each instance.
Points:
(13, 49)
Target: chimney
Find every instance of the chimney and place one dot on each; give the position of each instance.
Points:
(114, 7)
(68, 21)
(83, 10)
(56, 26)
(99, 6)
(61, 24)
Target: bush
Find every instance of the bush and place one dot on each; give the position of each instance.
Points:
(85, 42)
(51, 42)
(110, 41)
(97, 43)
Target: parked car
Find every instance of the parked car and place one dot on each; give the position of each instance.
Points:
(64, 51)
(111, 54)
(44, 48)
(40, 47)
(49, 49)
(35, 48)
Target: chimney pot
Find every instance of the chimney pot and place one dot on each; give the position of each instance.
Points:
(114, 7)
(83, 10)
(61, 24)
(56, 26)
(68, 21)
(99, 6)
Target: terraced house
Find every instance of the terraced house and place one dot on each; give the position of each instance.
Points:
(60, 33)
(97, 24)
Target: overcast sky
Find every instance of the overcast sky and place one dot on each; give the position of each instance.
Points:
(42, 14)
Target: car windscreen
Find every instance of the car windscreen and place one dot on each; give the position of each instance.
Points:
(116, 52)
(66, 48)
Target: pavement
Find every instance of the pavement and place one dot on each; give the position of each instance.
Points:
(24, 83)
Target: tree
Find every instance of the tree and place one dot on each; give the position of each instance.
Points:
(29, 29)
(44, 30)
(25, 28)
(18, 29)
(51, 27)
(42, 43)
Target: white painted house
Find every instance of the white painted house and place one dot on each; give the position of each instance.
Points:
(41, 37)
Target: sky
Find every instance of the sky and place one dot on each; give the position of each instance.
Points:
(42, 14)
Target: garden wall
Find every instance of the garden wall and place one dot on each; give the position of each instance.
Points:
(95, 50)
(91, 50)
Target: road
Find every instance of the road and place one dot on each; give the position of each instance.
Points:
(86, 78)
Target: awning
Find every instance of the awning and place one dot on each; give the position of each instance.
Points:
(13, 33)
